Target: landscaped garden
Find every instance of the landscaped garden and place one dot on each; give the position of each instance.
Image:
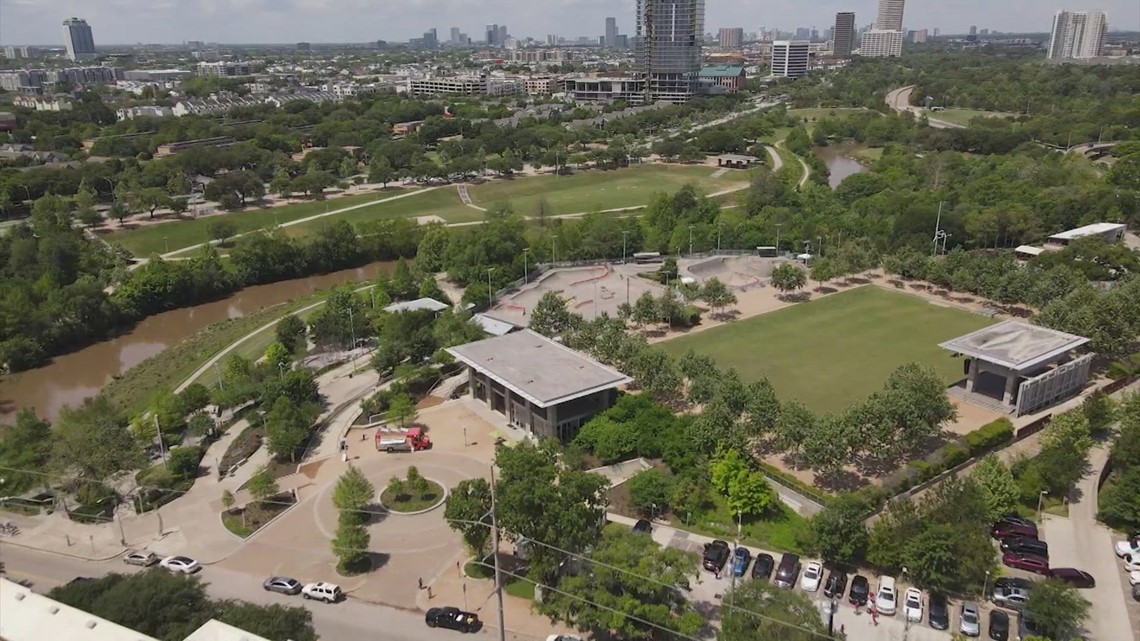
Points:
(413, 493)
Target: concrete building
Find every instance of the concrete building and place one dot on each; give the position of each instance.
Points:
(145, 111)
(77, 39)
(157, 75)
(593, 88)
(224, 69)
(890, 16)
(13, 53)
(669, 36)
(731, 37)
(1027, 367)
(52, 103)
(542, 85)
(611, 33)
(716, 79)
(1109, 232)
(466, 86)
(539, 385)
(844, 34)
(790, 58)
(877, 43)
(1077, 35)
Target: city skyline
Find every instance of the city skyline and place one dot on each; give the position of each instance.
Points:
(36, 22)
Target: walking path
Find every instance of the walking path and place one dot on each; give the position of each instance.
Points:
(899, 100)
(806, 169)
(777, 161)
(720, 172)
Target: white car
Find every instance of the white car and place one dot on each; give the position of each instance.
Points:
(886, 599)
(1134, 577)
(1132, 562)
(182, 564)
(912, 604)
(1131, 546)
(321, 591)
(813, 574)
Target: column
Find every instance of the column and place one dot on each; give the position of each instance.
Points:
(471, 379)
(972, 375)
(490, 392)
(1010, 387)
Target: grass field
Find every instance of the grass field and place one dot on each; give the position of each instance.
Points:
(443, 202)
(964, 116)
(832, 352)
(589, 190)
(815, 113)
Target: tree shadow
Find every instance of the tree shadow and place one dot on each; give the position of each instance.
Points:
(726, 316)
(825, 290)
(842, 480)
(856, 280)
(374, 513)
(796, 297)
(378, 560)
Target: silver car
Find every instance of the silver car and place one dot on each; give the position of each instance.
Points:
(142, 558)
(970, 620)
(1010, 598)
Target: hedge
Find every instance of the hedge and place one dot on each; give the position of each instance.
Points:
(989, 436)
(798, 485)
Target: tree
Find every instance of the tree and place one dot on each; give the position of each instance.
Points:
(221, 229)
(837, 533)
(550, 316)
(278, 357)
(645, 310)
(998, 487)
(381, 171)
(120, 211)
(716, 294)
(85, 211)
(262, 485)
(931, 558)
(290, 332)
(1057, 608)
(467, 511)
(270, 621)
(650, 491)
(350, 545)
(589, 599)
(402, 409)
(822, 271)
(759, 610)
(157, 604)
(747, 492)
(1065, 446)
(1118, 505)
(25, 450)
(286, 428)
(353, 494)
(228, 499)
(150, 199)
(786, 277)
(93, 440)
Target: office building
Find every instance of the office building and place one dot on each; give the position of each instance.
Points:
(920, 36)
(669, 47)
(803, 33)
(12, 53)
(937, 32)
(611, 33)
(790, 58)
(455, 40)
(1077, 35)
(492, 34)
(501, 39)
(732, 37)
(973, 30)
(304, 46)
(878, 43)
(844, 40)
(890, 15)
(78, 39)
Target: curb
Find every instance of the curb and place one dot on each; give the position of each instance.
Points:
(442, 500)
(66, 554)
(296, 502)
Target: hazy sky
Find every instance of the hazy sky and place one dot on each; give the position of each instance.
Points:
(288, 21)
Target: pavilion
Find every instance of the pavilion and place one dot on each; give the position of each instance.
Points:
(1027, 367)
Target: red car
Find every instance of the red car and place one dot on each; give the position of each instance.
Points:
(1030, 562)
(1077, 578)
(1007, 530)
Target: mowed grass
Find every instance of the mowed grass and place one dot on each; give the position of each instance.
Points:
(813, 114)
(832, 352)
(964, 116)
(600, 189)
(151, 239)
(443, 202)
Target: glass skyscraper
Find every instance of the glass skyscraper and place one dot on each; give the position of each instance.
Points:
(77, 38)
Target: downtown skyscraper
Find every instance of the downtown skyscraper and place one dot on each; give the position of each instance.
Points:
(78, 39)
(843, 39)
(669, 38)
(885, 40)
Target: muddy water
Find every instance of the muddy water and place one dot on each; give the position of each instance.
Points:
(839, 164)
(73, 377)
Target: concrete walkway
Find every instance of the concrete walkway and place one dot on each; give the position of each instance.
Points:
(777, 161)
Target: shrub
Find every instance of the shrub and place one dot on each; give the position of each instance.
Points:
(989, 436)
(650, 491)
(953, 455)
(183, 462)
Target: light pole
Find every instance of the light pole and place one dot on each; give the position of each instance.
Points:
(554, 249)
(624, 238)
(690, 240)
(526, 273)
(986, 584)
(27, 192)
(778, 225)
(1040, 500)
(819, 245)
(352, 333)
(166, 241)
(906, 615)
(111, 183)
(718, 227)
(490, 291)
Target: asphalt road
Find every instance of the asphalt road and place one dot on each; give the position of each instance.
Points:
(347, 621)
(899, 100)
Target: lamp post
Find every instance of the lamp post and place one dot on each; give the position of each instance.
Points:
(690, 240)
(778, 225)
(490, 292)
(27, 192)
(718, 228)
(352, 333)
(986, 584)
(554, 249)
(111, 183)
(526, 273)
(624, 238)
(906, 615)
(1040, 500)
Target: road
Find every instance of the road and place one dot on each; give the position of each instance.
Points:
(347, 621)
(899, 100)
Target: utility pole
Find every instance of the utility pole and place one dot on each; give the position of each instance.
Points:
(595, 299)
(778, 225)
(718, 226)
(490, 292)
(690, 241)
(526, 274)
(624, 237)
(553, 249)
(495, 556)
(352, 333)
(937, 227)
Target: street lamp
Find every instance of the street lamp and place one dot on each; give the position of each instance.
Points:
(526, 276)
(27, 192)
(986, 584)
(1040, 500)
(718, 227)
(554, 249)
(778, 225)
(690, 240)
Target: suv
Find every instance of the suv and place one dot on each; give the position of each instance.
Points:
(886, 599)
(716, 554)
(763, 565)
(321, 591)
(1025, 545)
(787, 571)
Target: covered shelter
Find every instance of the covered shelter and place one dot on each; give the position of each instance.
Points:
(416, 305)
(1028, 367)
(538, 384)
(736, 161)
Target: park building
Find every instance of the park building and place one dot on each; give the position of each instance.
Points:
(537, 384)
(720, 79)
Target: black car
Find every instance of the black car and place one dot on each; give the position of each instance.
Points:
(1073, 576)
(80, 579)
(642, 527)
(939, 612)
(453, 618)
(999, 626)
(1015, 519)
(1025, 545)
(860, 590)
(836, 584)
(762, 566)
(787, 571)
(716, 555)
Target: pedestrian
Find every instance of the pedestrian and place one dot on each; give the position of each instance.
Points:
(421, 582)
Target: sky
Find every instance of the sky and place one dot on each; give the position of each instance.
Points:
(290, 21)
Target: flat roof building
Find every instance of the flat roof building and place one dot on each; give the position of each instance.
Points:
(1027, 366)
(843, 37)
(540, 385)
(790, 58)
(1110, 232)
(878, 43)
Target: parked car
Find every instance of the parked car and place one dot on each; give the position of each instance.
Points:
(970, 619)
(1006, 530)
(788, 571)
(563, 637)
(999, 626)
(1073, 576)
(1030, 562)
(762, 566)
(321, 591)
(1013, 582)
(141, 557)
(1015, 519)
(1025, 545)
(1134, 577)
(813, 575)
(453, 618)
(1010, 598)
(642, 527)
(939, 611)
(716, 554)
(741, 557)
(282, 584)
(912, 604)
(836, 583)
(181, 564)
(1132, 562)
(1131, 546)
(886, 599)
(860, 590)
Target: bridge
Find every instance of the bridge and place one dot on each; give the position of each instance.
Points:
(1093, 150)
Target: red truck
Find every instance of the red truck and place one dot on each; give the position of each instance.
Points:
(412, 440)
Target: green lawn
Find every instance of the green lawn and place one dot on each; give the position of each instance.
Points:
(598, 189)
(443, 202)
(964, 116)
(144, 241)
(834, 351)
(815, 113)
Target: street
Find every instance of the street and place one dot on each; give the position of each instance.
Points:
(347, 621)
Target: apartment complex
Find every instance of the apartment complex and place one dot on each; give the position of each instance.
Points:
(731, 37)
(790, 58)
(669, 36)
(77, 39)
(843, 37)
(34, 80)
(878, 43)
(1077, 35)
(224, 69)
(890, 16)
(465, 86)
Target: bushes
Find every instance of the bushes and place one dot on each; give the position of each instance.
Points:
(650, 491)
(242, 447)
(989, 436)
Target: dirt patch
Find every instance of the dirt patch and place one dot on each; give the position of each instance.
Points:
(428, 401)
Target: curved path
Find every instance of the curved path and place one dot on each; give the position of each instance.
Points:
(777, 161)
(899, 100)
(803, 164)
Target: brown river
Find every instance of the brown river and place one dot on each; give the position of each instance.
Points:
(73, 377)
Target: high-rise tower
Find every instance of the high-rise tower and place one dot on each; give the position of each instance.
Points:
(1077, 35)
(78, 39)
(669, 36)
(844, 36)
